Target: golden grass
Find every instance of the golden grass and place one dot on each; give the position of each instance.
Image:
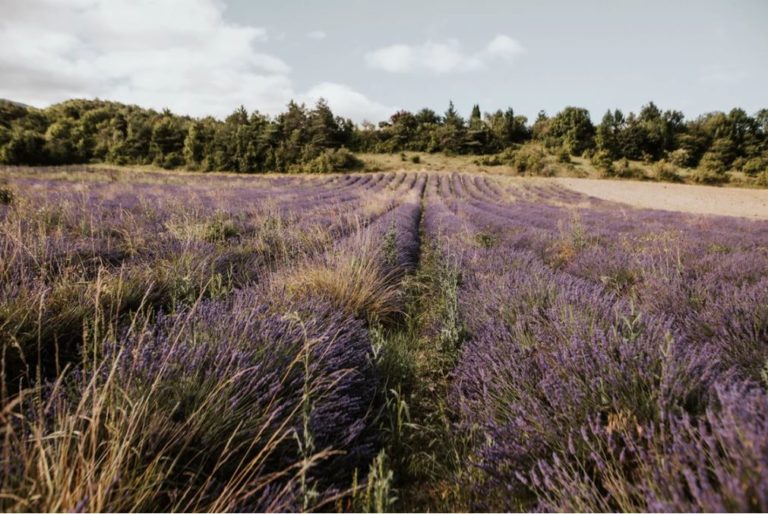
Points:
(354, 284)
(428, 162)
(579, 167)
(353, 280)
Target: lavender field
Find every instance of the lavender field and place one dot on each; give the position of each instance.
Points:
(374, 342)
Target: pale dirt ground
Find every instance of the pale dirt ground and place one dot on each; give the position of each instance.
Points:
(725, 201)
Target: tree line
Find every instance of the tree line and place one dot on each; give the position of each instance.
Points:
(313, 139)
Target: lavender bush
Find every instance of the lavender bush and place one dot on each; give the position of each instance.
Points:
(187, 342)
(583, 322)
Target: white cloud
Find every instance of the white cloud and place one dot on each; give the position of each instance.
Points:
(156, 53)
(138, 51)
(145, 52)
(317, 35)
(504, 47)
(444, 57)
(394, 59)
(347, 102)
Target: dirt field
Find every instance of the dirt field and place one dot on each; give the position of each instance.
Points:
(747, 203)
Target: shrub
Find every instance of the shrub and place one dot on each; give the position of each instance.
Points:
(506, 157)
(554, 353)
(220, 229)
(713, 163)
(488, 160)
(415, 159)
(738, 163)
(681, 157)
(755, 166)
(171, 160)
(563, 156)
(709, 176)
(603, 162)
(331, 160)
(623, 169)
(530, 160)
(666, 172)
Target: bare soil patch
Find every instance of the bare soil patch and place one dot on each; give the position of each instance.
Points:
(724, 201)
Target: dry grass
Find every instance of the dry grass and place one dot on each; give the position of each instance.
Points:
(114, 450)
(354, 284)
(466, 164)
(427, 162)
(353, 280)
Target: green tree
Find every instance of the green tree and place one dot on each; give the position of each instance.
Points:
(167, 143)
(24, 147)
(451, 134)
(197, 145)
(541, 126)
(608, 134)
(60, 144)
(572, 129)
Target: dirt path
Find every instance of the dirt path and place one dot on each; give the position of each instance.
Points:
(725, 201)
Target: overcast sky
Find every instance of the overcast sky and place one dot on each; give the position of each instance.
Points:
(370, 58)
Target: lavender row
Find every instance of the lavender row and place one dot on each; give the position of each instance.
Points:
(599, 358)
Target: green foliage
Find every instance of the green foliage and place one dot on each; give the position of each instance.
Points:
(624, 169)
(603, 162)
(507, 129)
(666, 172)
(681, 157)
(608, 134)
(712, 162)
(220, 229)
(79, 131)
(530, 160)
(377, 494)
(572, 130)
(755, 166)
(313, 139)
(706, 175)
(24, 147)
(506, 157)
(414, 359)
(330, 161)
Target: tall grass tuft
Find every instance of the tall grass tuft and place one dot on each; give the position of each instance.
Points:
(353, 281)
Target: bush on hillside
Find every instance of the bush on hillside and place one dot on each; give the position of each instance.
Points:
(704, 175)
(681, 157)
(330, 161)
(755, 166)
(666, 172)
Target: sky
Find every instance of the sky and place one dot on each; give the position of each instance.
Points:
(369, 59)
